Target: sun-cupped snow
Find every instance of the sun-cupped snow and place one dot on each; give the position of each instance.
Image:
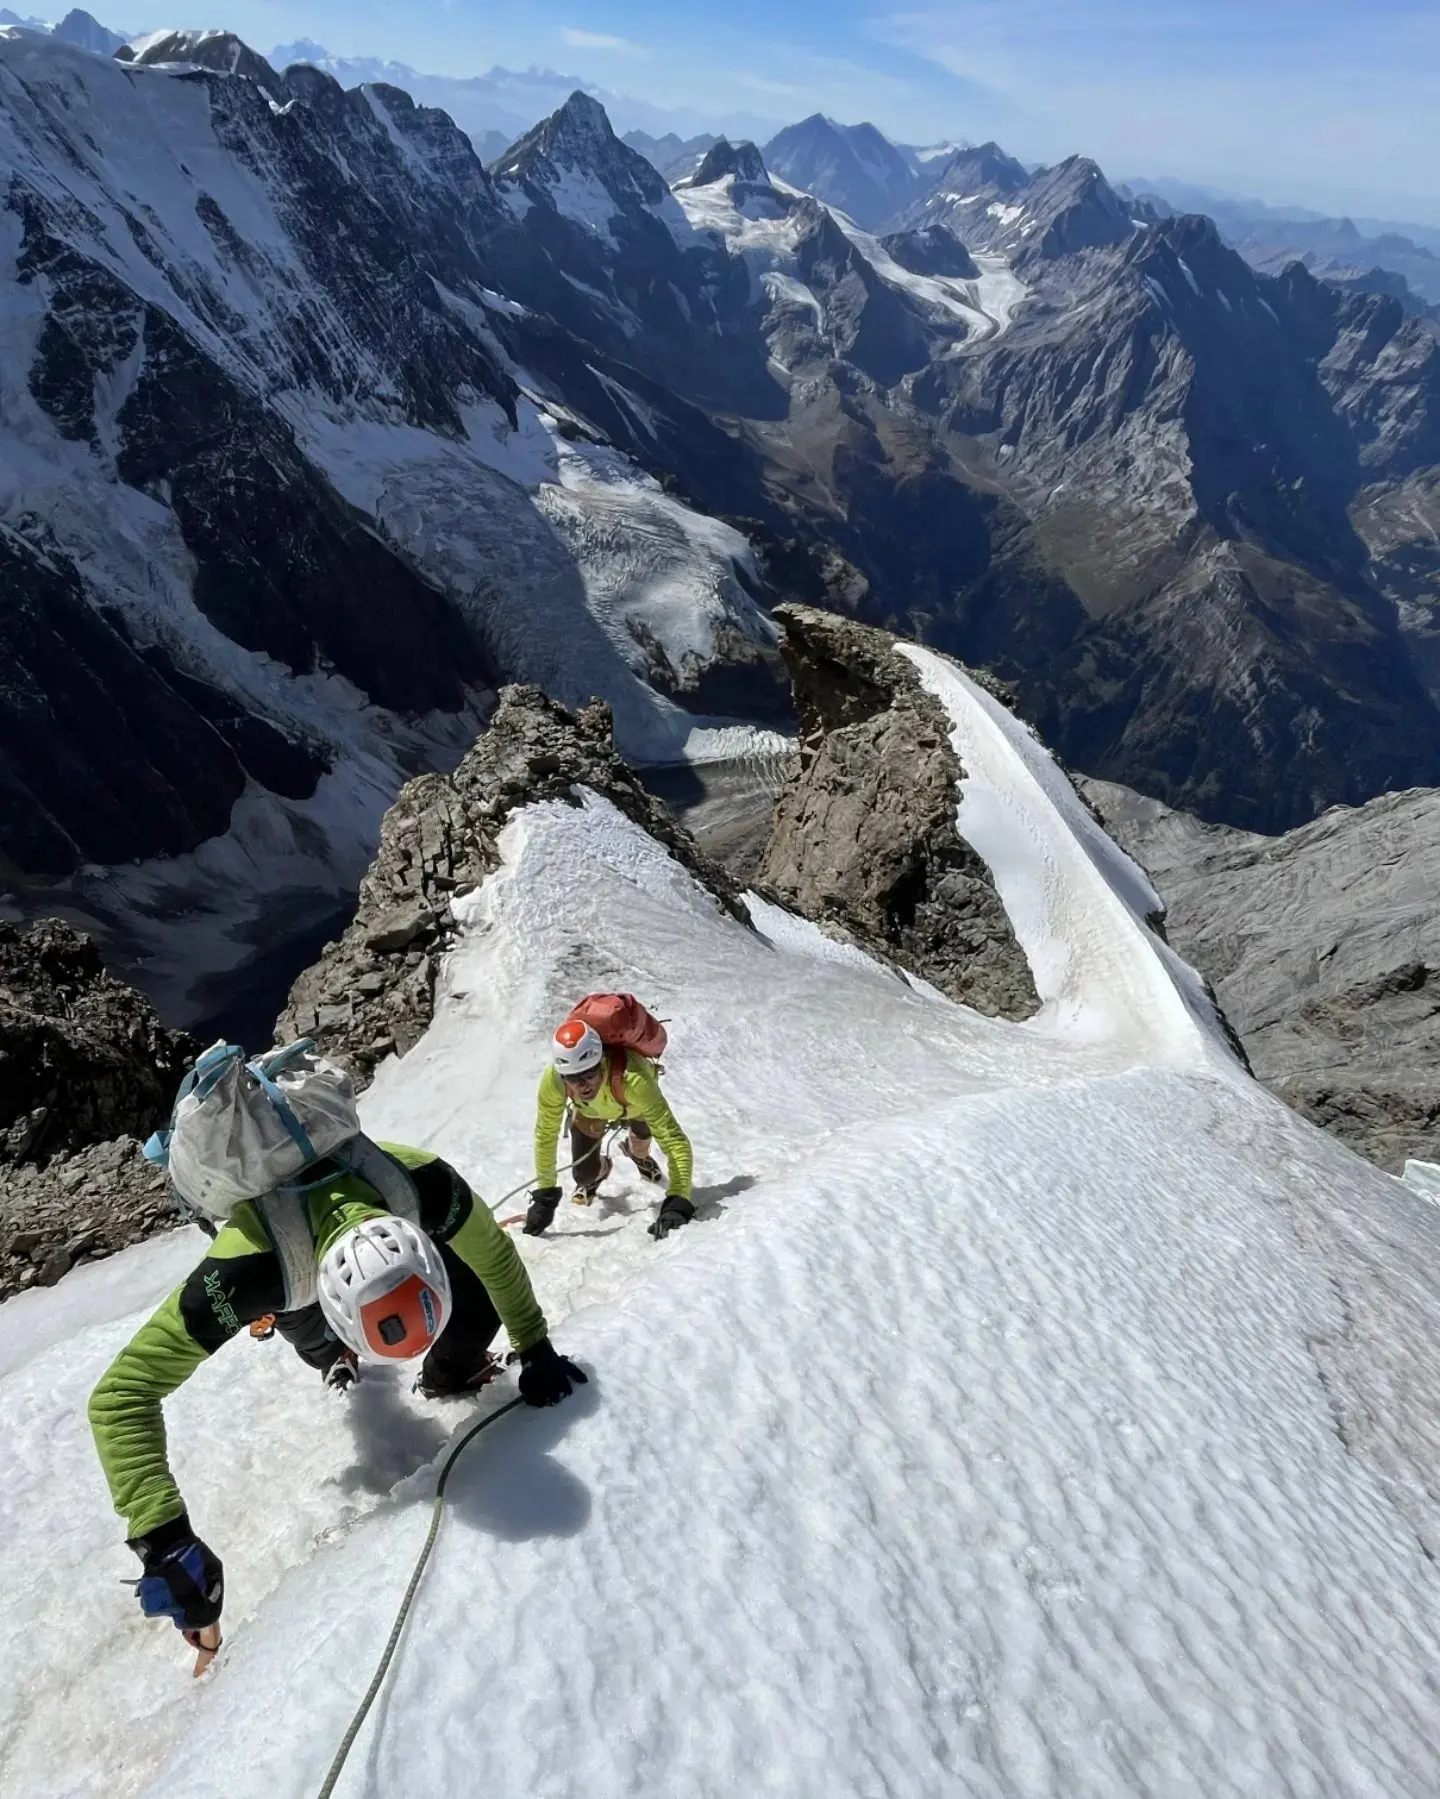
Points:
(1027, 1411)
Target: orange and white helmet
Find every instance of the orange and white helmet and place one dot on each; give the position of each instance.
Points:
(384, 1290)
(577, 1049)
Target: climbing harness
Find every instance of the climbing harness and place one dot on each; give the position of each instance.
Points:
(348, 1742)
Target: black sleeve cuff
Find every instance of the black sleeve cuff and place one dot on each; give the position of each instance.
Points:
(162, 1537)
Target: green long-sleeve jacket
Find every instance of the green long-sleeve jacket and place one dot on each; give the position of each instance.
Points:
(643, 1100)
(241, 1279)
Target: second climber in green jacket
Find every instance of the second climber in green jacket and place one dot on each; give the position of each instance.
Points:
(389, 1290)
(603, 1087)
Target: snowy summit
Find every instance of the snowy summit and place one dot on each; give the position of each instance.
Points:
(1031, 1409)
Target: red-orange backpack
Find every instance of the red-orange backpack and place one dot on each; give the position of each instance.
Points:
(622, 1023)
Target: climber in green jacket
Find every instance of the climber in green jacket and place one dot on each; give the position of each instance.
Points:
(388, 1290)
(585, 1075)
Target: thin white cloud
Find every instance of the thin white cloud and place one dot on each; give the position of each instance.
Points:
(762, 84)
(601, 40)
(1320, 101)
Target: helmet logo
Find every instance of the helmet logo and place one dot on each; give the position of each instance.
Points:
(427, 1306)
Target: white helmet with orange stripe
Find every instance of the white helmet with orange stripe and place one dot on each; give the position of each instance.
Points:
(384, 1290)
(577, 1049)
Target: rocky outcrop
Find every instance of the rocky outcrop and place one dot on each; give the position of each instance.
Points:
(77, 1209)
(1323, 946)
(723, 158)
(372, 992)
(865, 840)
(82, 1058)
(932, 250)
(86, 1071)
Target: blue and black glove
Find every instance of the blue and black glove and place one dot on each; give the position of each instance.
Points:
(182, 1580)
(675, 1212)
(546, 1376)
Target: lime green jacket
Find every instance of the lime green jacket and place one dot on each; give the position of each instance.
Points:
(242, 1279)
(643, 1100)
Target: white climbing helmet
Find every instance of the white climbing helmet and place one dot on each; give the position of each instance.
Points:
(384, 1289)
(578, 1049)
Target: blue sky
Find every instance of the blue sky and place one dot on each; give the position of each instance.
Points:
(1329, 103)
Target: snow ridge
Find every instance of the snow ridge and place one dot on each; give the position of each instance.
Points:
(1061, 1403)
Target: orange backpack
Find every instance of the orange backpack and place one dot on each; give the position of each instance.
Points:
(622, 1023)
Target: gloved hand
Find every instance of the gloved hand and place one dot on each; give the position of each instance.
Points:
(675, 1212)
(541, 1215)
(344, 1372)
(183, 1580)
(546, 1376)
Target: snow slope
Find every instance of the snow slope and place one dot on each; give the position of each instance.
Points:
(1031, 1410)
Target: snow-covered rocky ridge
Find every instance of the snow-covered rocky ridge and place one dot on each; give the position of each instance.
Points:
(796, 250)
(1033, 1409)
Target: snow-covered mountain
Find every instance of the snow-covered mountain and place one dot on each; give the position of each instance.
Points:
(992, 202)
(1032, 1409)
(830, 289)
(253, 366)
(498, 103)
(568, 425)
(77, 27)
(854, 168)
(510, 101)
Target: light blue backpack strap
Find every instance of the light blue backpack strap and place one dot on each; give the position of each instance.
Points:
(283, 1107)
(275, 1059)
(390, 1179)
(286, 1217)
(208, 1069)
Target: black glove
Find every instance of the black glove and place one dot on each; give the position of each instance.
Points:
(673, 1214)
(183, 1580)
(546, 1376)
(541, 1215)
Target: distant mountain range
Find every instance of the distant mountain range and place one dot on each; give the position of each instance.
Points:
(269, 342)
(1341, 249)
(76, 27)
(506, 102)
